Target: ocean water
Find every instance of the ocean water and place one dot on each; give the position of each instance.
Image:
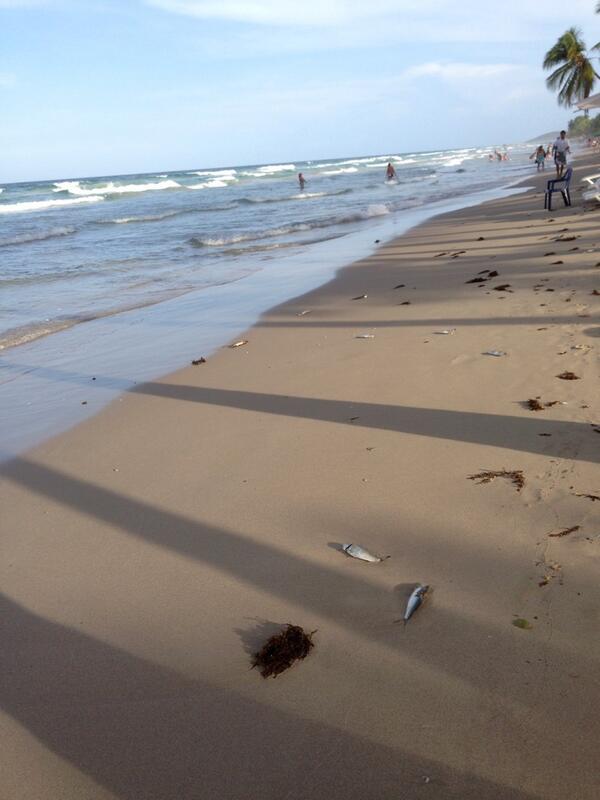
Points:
(127, 276)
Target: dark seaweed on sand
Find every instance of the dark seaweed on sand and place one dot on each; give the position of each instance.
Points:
(514, 475)
(534, 405)
(568, 376)
(280, 651)
(564, 532)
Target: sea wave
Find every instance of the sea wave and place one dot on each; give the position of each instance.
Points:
(340, 171)
(42, 205)
(272, 169)
(227, 174)
(75, 187)
(214, 184)
(35, 236)
(376, 210)
(297, 196)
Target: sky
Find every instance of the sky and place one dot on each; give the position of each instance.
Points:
(106, 87)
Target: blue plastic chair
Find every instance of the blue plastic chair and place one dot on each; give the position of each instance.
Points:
(559, 185)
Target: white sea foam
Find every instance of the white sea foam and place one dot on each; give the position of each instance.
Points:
(75, 187)
(375, 210)
(340, 171)
(215, 184)
(42, 205)
(35, 236)
(225, 174)
(144, 218)
(272, 169)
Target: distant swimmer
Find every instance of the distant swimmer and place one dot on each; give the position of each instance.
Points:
(301, 181)
(390, 173)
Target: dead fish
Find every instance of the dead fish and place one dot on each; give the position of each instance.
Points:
(360, 297)
(240, 343)
(496, 353)
(446, 332)
(365, 336)
(302, 313)
(414, 601)
(356, 551)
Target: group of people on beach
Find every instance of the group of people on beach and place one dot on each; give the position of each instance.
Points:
(558, 150)
(498, 156)
(390, 175)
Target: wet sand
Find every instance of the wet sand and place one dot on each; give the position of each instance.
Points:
(149, 551)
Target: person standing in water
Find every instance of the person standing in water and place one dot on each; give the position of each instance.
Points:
(390, 173)
(560, 149)
(301, 181)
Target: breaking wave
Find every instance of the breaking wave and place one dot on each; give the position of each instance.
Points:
(42, 205)
(75, 187)
(377, 210)
(35, 236)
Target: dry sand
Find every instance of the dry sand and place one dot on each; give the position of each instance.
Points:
(149, 551)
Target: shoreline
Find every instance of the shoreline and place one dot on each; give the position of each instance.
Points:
(152, 548)
(39, 369)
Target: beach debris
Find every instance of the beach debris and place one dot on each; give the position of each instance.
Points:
(564, 532)
(554, 572)
(446, 332)
(592, 497)
(493, 274)
(458, 253)
(439, 255)
(239, 344)
(360, 297)
(282, 649)
(549, 254)
(356, 551)
(568, 376)
(522, 623)
(596, 292)
(405, 303)
(197, 361)
(84, 402)
(514, 475)
(400, 286)
(496, 353)
(534, 404)
(551, 403)
(503, 287)
(544, 434)
(377, 241)
(415, 600)
(548, 289)
(353, 419)
(580, 347)
(481, 239)
(565, 238)
(556, 263)
(477, 280)
(303, 313)
(365, 336)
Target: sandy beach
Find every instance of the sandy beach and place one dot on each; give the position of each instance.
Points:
(148, 552)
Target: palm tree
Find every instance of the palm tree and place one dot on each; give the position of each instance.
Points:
(574, 75)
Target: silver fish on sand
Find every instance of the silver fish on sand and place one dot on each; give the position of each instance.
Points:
(240, 343)
(356, 551)
(496, 353)
(415, 600)
(365, 336)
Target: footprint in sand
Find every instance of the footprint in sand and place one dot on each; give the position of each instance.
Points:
(462, 359)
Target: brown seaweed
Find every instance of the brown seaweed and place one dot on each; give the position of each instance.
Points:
(568, 376)
(514, 475)
(503, 287)
(280, 651)
(564, 532)
(477, 280)
(592, 497)
(200, 360)
(533, 404)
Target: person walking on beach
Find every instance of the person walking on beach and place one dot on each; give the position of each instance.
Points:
(390, 173)
(560, 149)
(540, 157)
(301, 181)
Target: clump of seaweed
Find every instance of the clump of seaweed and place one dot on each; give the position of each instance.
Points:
(564, 532)
(533, 404)
(514, 475)
(280, 651)
(568, 376)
